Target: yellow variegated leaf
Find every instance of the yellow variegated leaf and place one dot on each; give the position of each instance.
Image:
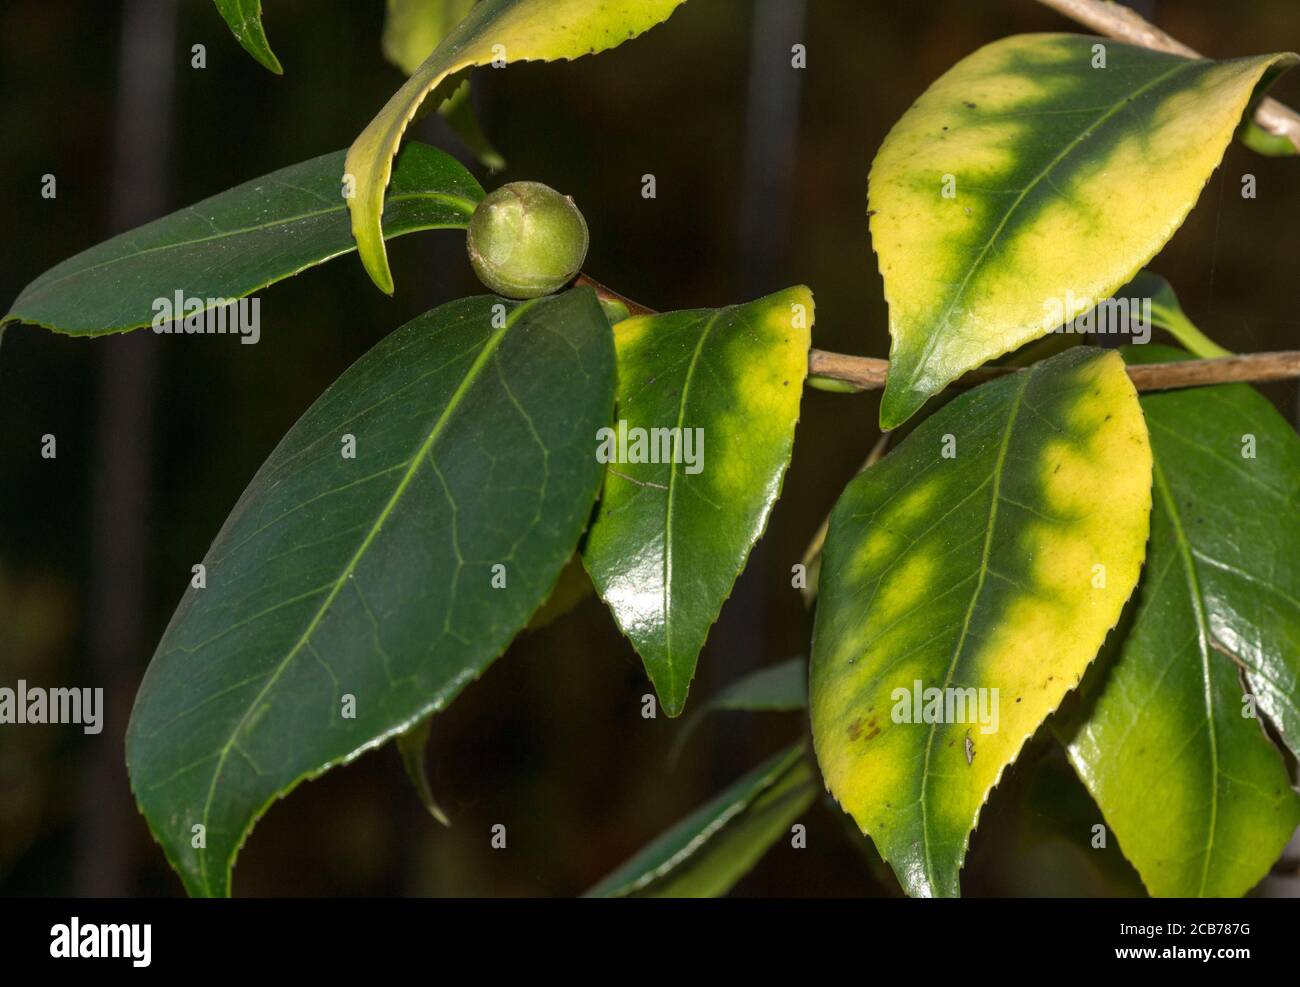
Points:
(493, 31)
(985, 558)
(1028, 183)
(708, 401)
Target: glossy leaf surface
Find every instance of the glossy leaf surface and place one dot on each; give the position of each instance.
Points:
(672, 536)
(993, 549)
(1195, 792)
(393, 577)
(1028, 183)
(500, 30)
(235, 243)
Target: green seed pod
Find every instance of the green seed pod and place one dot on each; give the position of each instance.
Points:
(527, 240)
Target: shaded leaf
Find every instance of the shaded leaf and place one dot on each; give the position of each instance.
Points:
(1195, 792)
(245, 20)
(1000, 568)
(705, 854)
(414, 28)
(670, 538)
(235, 243)
(394, 577)
(1169, 315)
(1268, 144)
(573, 586)
(509, 30)
(1025, 185)
(412, 746)
(782, 687)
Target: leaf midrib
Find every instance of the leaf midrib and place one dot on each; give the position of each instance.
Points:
(934, 336)
(998, 468)
(668, 505)
(1202, 641)
(453, 404)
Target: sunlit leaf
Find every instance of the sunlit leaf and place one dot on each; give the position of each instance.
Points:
(1028, 183)
(1179, 762)
(236, 243)
(708, 402)
(500, 30)
(993, 549)
(348, 597)
(705, 854)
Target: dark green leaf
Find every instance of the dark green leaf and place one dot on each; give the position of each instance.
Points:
(245, 20)
(1195, 791)
(705, 854)
(238, 242)
(394, 577)
(776, 688)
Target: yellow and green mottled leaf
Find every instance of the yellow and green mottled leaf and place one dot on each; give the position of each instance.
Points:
(705, 854)
(494, 30)
(245, 20)
(1196, 793)
(708, 402)
(992, 550)
(1025, 185)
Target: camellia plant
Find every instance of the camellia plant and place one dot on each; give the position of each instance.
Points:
(1094, 545)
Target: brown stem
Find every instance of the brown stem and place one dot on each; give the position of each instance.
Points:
(864, 373)
(609, 295)
(1124, 24)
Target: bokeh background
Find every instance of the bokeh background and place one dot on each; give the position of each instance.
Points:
(761, 184)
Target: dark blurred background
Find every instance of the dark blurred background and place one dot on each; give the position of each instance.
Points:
(761, 175)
